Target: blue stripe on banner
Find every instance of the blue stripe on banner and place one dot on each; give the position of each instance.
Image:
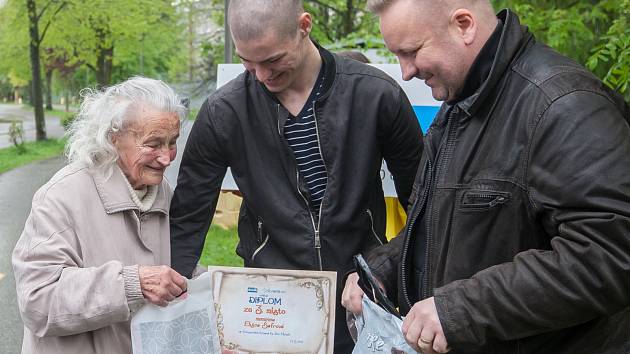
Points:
(425, 115)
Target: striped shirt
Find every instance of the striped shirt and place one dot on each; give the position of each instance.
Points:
(301, 134)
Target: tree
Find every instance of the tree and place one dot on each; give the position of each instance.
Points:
(36, 38)
(345, 22)
(594, 33)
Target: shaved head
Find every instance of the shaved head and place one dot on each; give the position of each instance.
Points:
(250, 19)
(482, 8)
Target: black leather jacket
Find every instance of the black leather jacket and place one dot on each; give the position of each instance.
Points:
(520, 217)
(362, 117)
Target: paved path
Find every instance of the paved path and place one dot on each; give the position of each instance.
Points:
(13, 112)
(16, 192)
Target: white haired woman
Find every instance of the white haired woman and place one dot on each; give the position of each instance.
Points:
(96, 243)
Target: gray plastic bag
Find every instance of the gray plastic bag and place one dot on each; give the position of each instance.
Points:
(379, 331)
(186, 326)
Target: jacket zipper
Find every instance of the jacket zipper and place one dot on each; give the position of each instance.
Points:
(493, 200)
(441, 165)
(317, 240)
(260, 239)
(414, 217)
(369, 212)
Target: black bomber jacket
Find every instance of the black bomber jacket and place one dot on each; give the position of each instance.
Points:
(362, 117)
(520, 211)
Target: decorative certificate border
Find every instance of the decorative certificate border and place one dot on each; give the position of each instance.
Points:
(273, 310)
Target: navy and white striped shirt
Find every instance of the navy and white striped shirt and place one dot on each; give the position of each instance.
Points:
(301, 134)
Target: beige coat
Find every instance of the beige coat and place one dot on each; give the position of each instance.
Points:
(76, 262)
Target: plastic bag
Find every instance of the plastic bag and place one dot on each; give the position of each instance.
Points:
(184, 326)
(379, 331)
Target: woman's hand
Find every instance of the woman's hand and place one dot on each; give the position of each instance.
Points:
(161, 284)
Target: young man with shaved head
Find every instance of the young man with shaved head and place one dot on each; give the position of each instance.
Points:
(518, 235)
(304, 132)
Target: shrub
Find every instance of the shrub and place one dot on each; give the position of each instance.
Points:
(67, 119)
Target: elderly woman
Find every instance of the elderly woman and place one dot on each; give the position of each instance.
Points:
(96, 243)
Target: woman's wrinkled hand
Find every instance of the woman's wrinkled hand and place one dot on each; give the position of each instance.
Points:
(161, 284)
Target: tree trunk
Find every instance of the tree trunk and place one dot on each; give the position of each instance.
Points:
(40, 123)
(104, 66)
(191, 41)
(348, 18)
(49, 74)
(16, 95)
(67, 101)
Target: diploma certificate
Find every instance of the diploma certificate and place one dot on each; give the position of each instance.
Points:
(274, 311)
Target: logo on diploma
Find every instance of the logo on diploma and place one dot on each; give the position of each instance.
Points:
(274, 311)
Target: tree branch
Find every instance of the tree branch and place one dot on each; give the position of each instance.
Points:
(324, 5)
(63, 4)
(41, 13)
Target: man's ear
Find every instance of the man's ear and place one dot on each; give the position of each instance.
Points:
(465, 23)
(305, 24)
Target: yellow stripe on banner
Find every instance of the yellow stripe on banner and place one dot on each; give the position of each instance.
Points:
(396, 217)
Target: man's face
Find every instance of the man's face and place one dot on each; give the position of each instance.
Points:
(275, 60)
(426, 49)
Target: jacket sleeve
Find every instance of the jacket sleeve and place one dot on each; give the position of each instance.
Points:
(579, 192)
(199, 181)
(384, 260)
(402, 144)
(56, 295)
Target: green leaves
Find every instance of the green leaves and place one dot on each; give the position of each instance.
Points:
(594, 33)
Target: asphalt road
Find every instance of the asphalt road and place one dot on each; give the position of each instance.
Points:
(13, 112)
(16, 192)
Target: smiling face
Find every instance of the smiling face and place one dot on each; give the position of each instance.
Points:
(429, 45)
(275, 59)
(147, 146)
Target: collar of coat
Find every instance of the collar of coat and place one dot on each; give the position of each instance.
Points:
(514, 38)
(115, 196)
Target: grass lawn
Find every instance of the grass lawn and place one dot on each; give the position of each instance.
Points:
(54, 112)
(11, 157)
(220, 248)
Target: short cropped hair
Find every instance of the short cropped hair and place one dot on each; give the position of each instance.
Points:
(377, 6)
(250, 19)
(104, 112)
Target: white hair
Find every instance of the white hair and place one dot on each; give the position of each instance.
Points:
(104, 112)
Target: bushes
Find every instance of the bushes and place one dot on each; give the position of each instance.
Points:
(66, 120)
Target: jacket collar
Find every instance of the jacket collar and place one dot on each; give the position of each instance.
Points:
(115, 196)
(513, 39)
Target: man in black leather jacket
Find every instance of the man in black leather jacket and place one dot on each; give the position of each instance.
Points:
(518, 235)
(360, 117)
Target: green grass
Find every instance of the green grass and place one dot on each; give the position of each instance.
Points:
(12, 157)
(55, 112)
(192, 113)
(220, 248)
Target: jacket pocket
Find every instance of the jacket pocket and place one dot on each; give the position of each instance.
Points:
(378, 239)
(261, 237)
(478, 200)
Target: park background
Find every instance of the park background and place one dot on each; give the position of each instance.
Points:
(51, 49)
